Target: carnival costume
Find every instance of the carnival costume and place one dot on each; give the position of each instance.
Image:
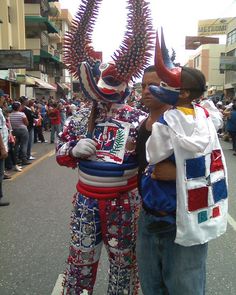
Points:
(201, 202)
(107, 202)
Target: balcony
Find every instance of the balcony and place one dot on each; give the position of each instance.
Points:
(48, 52)
(42, 23)
(45, 52)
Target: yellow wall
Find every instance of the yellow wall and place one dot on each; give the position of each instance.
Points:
(12, 34)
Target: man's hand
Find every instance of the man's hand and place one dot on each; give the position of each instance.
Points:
(164, 170)
(84, 148)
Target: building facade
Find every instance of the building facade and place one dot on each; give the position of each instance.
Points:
(36, 27)
(12, 37)
(228, 61)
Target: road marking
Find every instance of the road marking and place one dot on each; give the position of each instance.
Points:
(34, 163)
(57, 290)
(231, 221)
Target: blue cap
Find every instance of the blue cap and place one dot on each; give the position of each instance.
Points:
(2, 92)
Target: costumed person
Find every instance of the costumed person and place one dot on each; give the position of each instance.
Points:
(179, 218)
(100, 140)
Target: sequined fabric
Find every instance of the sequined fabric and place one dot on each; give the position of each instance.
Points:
(97, 222)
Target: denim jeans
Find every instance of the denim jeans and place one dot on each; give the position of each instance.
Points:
(22, 137)
(30, 142)
(54, 129)
(166, 268)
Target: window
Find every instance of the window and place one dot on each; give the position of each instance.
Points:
(231, 37)
(9, 13)
(197, 62)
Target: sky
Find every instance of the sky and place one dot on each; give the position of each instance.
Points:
(178, 19)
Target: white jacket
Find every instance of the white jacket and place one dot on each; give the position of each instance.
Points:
(201, 182)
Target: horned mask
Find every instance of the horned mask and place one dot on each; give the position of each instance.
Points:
(108, 82)
(174, 78)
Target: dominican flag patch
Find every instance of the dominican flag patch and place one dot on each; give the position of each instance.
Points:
(206, 185)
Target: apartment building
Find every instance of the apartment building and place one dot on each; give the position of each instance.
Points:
(206, 58)
(228, 61)
(44, 38)
(217, 61)
(12, 37)
(34, 27)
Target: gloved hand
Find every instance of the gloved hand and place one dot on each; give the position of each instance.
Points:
(84, 148)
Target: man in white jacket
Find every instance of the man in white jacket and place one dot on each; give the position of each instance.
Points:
(195, 207)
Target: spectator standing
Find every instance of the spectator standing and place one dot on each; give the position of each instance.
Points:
(55, 120)
(230, 115)
(38, 128)
(10, 162)
(3, 148)
(19, 123)
(44, 114)
(28, 108)
(62, 110)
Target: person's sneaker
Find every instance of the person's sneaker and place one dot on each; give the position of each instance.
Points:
(4, 202)
(31, 158)
(17, 168)
(23, 163)
(6, 176)
(45, 141)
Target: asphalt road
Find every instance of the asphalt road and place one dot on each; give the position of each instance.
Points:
(34, 231)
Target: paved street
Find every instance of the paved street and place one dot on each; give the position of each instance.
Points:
(34, 233)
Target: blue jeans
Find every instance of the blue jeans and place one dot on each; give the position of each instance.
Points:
(166, 268)
(54, 129)
(22, 138)
(30, 142)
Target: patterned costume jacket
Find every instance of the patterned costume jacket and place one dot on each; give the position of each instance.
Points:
(114, 169)
(107, 203)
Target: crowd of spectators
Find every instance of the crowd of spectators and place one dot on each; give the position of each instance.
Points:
(228, 132)
(27, 119)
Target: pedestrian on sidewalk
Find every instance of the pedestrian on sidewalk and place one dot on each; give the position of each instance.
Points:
(230, 115)
(11, 161)
(27, 107)
(19, 123)
(38, 126)
(3, 148)
(55, 120)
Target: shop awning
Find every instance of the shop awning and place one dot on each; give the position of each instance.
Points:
(42, 84)
(37, 19)
(63, 86)
(24, 79)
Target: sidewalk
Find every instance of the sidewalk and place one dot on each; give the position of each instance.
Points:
(38, 150)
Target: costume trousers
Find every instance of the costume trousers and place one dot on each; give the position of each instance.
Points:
(112, 222)
(166, 268)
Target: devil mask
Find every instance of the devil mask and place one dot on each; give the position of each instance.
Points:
(174, 78)
(108, 82)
